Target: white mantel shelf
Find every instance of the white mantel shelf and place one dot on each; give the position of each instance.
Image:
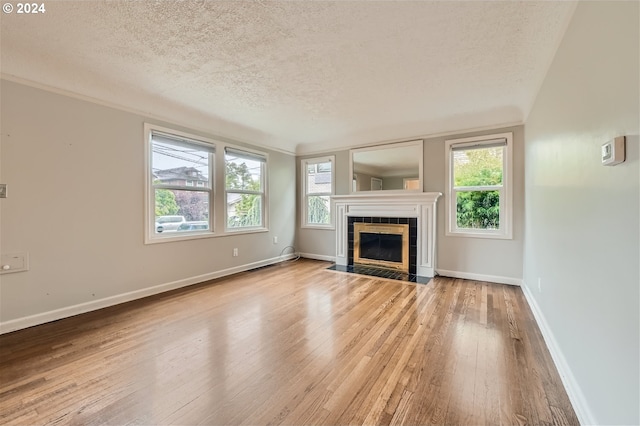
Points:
(421, 205)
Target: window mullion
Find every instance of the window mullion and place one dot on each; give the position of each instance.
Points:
(478, 188)
(244, 191)
(182, 188)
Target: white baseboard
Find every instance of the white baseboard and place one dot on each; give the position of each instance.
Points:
(579, 402)
(479, 277)
(318, 257)
(37, 319)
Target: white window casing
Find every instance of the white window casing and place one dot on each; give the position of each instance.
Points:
(316, 168)
(258, 161)
(211, 183)
(505, 190)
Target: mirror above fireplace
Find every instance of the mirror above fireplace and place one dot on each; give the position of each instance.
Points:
(392, 167)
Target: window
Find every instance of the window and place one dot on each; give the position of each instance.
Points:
(318, 187)
(376, 184)
(175, 204)
(189, 188)
(479, 186)
(245, 188)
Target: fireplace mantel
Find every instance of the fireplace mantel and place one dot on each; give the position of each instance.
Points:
(421, 205)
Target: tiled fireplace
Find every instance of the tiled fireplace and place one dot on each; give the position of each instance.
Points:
(397, 231)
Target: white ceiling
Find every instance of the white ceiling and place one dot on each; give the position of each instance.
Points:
(297, 75)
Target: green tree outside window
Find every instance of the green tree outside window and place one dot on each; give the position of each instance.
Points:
(478, 208)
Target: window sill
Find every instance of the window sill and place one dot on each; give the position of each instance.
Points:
(485, 235)
(320, 227)
(200, 235)
(234, 231)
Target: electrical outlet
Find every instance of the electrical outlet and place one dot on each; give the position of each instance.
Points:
(235, 252)
(275, 240)
(540, 284)
(14, 262)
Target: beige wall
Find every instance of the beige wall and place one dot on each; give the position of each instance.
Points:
(582, 219)
(363, 181)
(75, 172)
(393, 183)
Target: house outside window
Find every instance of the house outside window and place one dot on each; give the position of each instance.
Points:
(318, 185)
(175, 205)
(245, 189)
(479, 186)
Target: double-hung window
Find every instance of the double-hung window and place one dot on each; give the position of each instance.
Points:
(318, 186)
(479, 187)
(176, 207)
(245, 189)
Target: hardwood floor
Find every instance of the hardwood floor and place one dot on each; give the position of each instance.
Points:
(290, 344)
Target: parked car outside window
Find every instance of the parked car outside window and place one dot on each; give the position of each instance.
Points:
(169, 223)
(193, 226)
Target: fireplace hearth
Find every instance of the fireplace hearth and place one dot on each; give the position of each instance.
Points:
(384, 273)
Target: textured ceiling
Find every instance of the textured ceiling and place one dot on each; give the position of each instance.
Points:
(297, 74)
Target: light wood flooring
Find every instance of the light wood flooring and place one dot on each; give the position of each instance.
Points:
(290, 344)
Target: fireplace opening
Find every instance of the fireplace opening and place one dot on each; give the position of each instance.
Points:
(381, 245)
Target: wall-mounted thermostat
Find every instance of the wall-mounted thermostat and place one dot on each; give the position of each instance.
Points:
(613, 152)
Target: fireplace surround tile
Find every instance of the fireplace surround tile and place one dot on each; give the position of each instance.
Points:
(413, 236)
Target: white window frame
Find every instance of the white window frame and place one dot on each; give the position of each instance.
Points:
(304, 163)
(150, 236)
(262, 193)
(506, 190)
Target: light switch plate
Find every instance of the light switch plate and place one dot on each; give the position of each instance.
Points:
(3, 190)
